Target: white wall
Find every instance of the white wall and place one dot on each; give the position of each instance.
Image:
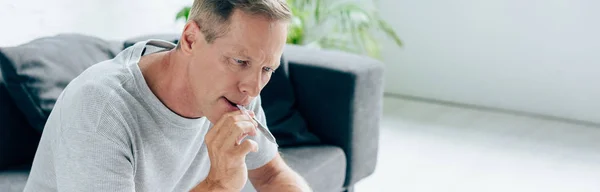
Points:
(539, 56)
(24, 20)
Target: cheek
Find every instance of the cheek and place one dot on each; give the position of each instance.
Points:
(200, 77)
(212, 79)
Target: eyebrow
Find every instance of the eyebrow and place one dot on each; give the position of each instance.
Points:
(242, 53)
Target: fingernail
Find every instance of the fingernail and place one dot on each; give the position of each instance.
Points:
(241, 138)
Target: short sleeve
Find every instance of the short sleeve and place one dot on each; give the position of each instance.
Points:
(89, 161)
(266, 149)
(91, 151)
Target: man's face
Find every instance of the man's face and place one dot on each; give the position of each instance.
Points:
(234, 68)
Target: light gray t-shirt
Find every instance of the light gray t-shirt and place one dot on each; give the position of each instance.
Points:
(109, 132)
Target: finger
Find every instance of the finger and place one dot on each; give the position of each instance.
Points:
(241, 117)
(246, 118)
(246, 127)
(247, 146)
(234, 115)
(238, 130)
(226, 119)
(240, 139)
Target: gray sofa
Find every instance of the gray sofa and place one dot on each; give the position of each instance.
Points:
(338, 95)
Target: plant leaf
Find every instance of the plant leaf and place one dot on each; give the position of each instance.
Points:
(183, 13)
(344, 25)
(389, 31)
(296, 31)
(318, 12)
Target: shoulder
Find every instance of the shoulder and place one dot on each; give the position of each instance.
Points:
(95, 98)
(92, 109)
(98, 84)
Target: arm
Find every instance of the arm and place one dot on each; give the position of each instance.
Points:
(208, 185)
(277, 176)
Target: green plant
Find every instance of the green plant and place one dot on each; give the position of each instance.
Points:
(343, 25)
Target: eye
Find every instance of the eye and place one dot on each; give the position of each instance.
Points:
(239, 62)
(269, 69)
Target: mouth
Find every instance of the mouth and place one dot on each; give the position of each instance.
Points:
(232, 105)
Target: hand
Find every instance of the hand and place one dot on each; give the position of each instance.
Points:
(227, 153)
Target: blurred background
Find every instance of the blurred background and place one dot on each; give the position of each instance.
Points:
(480, 95)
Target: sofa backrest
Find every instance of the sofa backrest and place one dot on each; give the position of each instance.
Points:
(18, 140)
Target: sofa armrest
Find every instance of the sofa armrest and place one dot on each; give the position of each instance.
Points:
(340, 95)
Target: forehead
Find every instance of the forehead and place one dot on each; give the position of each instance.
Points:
(255, 36)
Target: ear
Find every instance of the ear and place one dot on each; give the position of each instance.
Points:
(191, 35)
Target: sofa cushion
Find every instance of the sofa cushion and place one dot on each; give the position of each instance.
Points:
(18, 140)
(14, 180)
(171, 37)
(323, 167)
(278, 101)
(37, 72)
(279, 104)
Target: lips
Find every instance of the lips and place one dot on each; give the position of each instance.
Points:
(229, 105)
(230, 102)
(234, 103)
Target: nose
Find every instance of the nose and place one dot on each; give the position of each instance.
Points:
(251, 85)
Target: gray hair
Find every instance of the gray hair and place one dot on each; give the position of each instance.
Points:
(213, 15)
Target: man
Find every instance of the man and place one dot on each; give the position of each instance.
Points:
(164, 118)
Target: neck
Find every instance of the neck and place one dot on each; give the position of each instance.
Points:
(166, 75)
